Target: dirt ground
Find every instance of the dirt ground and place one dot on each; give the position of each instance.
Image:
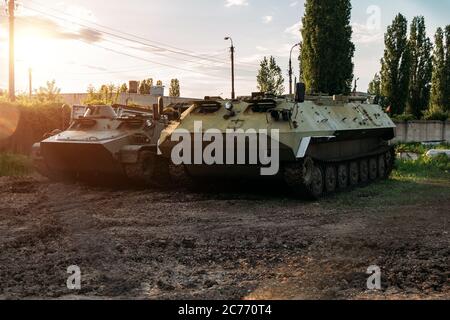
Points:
(165, 244)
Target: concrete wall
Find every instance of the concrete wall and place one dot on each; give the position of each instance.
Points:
(139, 99)
(423, 131)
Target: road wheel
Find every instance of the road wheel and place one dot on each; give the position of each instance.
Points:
(390, 159)
(317, 185)
(354, 174)
(299, 173)
(330, 179)
(373, 169)
(342, 176)
(382, 166)
(364, 171)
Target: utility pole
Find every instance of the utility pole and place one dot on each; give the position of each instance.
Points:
(233, 95)
(355, 88)
(12, 88)
(290, 68)
(30, 81)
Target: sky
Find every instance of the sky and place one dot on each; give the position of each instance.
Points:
(90, 42)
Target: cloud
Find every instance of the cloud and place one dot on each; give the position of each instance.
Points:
(294, 30)
(293, 4)
(362, 34)
(48, 28)
(267, 19)
(237, 3)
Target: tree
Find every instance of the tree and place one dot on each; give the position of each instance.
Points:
(270, 79)
(106, 95)
(159, 83)
(395, 65)
(145, 86)
(174, 90)
(327, 49)
(447, 69)
(123, 88)
(439, 79)
(49, 94)
(375, 86)
(421, 68)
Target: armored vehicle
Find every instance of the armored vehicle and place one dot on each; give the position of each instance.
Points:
(104, 142)
(317, 144)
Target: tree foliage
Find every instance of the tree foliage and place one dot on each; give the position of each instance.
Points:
(440, 91)
(107, 94)
(270, 79)
(327, 49)
(123, 88)
(375, 86)
(174, 90)
(145, 86)
(49, 94)
(395, 65)
(421, 68)
(439, 79)
(447, 69)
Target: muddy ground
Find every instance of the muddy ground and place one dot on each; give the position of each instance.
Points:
(166, 244)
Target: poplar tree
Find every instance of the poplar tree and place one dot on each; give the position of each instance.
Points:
(421, 68)
(395, 65)
(439, 79)
(327, 49)
(375, 86)
(174, 90)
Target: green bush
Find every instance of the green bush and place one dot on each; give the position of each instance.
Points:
(14, 165)
(425, 167)
(436, 115)
(403, 117)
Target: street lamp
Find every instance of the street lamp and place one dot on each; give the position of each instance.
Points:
(290, 67)
(233, 96)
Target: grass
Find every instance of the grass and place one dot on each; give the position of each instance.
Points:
(14, 165)
(424, 180)
(419, 148)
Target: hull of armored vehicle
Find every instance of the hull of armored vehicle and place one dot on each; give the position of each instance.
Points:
(103, 143)
(332, 142)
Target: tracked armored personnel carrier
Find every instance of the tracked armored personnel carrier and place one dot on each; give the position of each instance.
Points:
(317, 144)
(104, 142)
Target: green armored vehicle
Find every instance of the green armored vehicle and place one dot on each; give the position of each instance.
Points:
(316, 144)
(104, 142)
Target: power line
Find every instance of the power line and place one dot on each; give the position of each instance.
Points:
(119, 31)
(130, 40)
(177, 51)
(146, 60)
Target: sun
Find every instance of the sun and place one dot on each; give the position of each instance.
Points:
(35, 49)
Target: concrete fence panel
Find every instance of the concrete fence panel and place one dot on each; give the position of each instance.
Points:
(423, 131)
